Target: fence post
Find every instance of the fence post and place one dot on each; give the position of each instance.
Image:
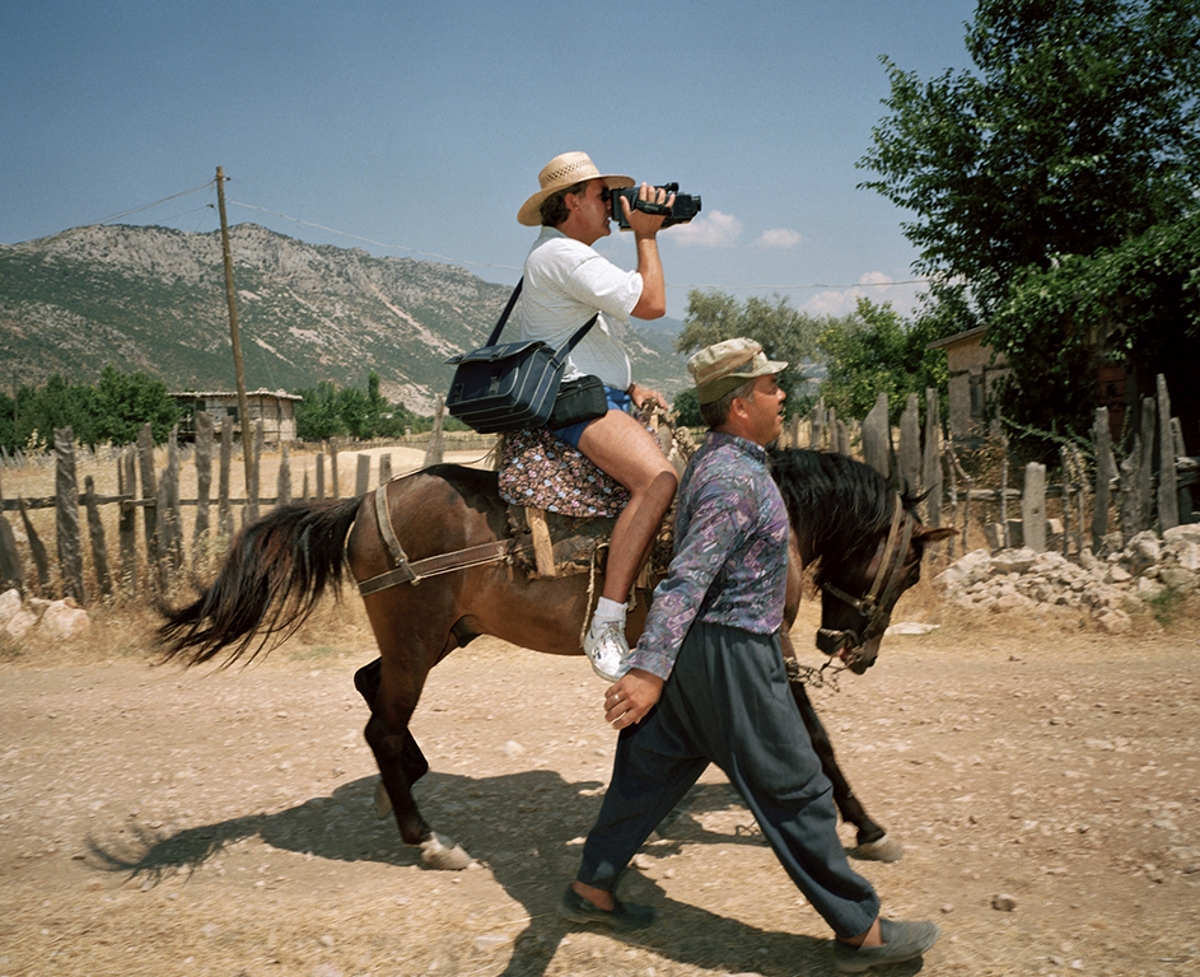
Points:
(320, 474)
(333, 469)
(1146, 466)
(436, 449)
(70, 552)
(37, 550)
(1106, 470)
(283, 484)
(1033, 507)
(127, 520)
(145, 443)
(224, 508)
(931, 475)
(910, 446)
(1168, 500)
(362, 475)
(172, 517)
(204, 443)
(250, 511)
(385, 468)
(876, 438)
(96, 532)
(949, 457)
(12, 573)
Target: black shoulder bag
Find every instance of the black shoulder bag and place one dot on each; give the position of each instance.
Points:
(516, 385)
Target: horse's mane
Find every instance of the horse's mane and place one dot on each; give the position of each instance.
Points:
(837, 506)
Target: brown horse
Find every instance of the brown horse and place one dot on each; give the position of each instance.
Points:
(433, 553)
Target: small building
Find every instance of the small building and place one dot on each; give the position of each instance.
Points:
(974, 370)
(275, 408)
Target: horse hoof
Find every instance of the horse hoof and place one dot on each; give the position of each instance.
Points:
(883, 850)
(441, 853)
(383, 803)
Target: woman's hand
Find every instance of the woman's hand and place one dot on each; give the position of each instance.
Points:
(641, 394)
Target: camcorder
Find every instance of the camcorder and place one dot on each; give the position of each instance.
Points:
(686, 206)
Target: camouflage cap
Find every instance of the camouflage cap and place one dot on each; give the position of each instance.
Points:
(726, 365)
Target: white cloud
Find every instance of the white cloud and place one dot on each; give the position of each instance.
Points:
(779, 237)
(879, 288)
(715, 230)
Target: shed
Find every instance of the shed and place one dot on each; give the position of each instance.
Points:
(275, 408)
(974, 369)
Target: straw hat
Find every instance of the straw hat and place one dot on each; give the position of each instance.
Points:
(725, 366)
(562, 172)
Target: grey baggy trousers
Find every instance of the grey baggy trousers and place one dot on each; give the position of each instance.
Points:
(727, 702)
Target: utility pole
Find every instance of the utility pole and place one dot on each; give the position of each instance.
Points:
(234, 335)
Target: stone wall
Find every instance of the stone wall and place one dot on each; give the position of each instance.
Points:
(1108, 588)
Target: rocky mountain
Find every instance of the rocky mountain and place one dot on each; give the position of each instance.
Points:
(152, 299)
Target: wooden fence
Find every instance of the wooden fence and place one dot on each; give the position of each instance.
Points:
(1134, 493)
(1093, 492)
(152, 560)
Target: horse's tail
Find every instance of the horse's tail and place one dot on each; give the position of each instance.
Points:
(276, 571)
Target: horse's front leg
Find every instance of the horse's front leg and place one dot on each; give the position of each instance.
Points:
(873, 842)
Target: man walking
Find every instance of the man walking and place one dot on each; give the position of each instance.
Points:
(707, 683)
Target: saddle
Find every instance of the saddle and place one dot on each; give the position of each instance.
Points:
(567, 505)
(560, 512)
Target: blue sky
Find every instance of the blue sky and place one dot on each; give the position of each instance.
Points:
(418, 128)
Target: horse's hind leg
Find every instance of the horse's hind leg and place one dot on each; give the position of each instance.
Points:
(412, 760)
(873, 843)
(401, 762)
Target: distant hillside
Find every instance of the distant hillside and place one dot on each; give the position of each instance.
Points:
(153, 299)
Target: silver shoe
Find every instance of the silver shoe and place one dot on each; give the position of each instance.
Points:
(608, 652)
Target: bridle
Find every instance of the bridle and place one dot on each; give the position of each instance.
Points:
(875, 606)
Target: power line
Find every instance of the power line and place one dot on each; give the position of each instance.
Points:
(367, 240)
(788, 288)
(137, 210)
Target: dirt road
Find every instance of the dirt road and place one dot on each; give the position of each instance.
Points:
(161, 822)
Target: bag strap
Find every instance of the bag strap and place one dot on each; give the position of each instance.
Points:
(512, 300)
(573, 341)
(563, 350)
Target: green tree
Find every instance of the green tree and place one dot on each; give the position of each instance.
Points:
(125, 402)
(785, 333)
(317, 417)
(1080, 133)
(687, 408)
(876, 351)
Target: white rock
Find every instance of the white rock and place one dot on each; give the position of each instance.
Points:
(1014, 561)
(973, 567)
(1148, 589)
(1188, 531)
(1118, 574)
(1178, 578)
(21, 623)
(1187, 553)
(10, 605)
(64, 620)
(1115, 621)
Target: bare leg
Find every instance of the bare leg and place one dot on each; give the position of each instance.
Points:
(624, 449)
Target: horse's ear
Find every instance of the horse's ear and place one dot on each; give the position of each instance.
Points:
(931, 534)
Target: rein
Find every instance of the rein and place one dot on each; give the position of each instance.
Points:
(873, 606)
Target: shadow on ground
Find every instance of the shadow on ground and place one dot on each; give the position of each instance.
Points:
(485, 815)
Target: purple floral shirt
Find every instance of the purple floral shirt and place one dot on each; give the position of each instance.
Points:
(731, 552)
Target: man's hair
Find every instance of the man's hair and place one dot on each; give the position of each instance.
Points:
(716, 413)
(554, 208)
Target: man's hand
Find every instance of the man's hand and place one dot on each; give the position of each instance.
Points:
(641, 223)
(640, 395)
(634, 694)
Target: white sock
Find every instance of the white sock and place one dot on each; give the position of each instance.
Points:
(606, 611)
